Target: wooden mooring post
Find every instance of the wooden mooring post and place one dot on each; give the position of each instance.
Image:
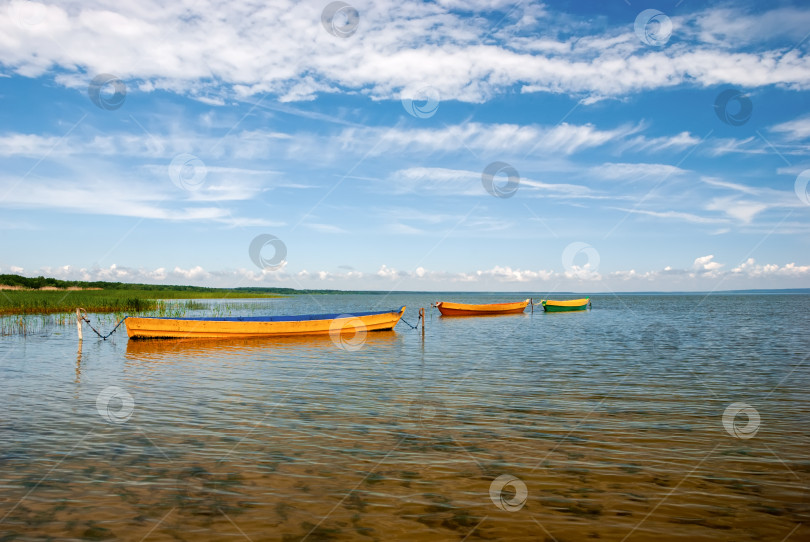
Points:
(79, 323)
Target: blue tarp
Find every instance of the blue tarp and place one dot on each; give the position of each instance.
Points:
(296, 318)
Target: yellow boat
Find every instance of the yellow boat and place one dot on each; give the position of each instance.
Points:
(260, 326)
(550, 305)
(465, 309)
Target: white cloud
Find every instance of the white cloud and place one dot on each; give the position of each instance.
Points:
(732, 186)
(722, 146)
(195, 274)
(27, 145)
(706, 264)
(677, 142)
(161, 148)
(546, 140)
(636, 172)
(243, 144)
(439, 181)
(325, 228)
(740, 209)
(705, 272)
(404, 229)
(676, 215)
(507, 274)
(117, 197)
(454, 182)
(386, 272)
(730, 28)
(751, 269)
(797, 129)
(282, 48)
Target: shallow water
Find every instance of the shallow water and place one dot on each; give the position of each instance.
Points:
(612, 420)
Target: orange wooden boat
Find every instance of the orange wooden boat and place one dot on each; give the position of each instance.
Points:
(144, 327)
(464, 309)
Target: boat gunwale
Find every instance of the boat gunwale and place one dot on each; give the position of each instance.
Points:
(566, 302)
(183, 328)
(482, 306)
(449, 308)
(281, 318)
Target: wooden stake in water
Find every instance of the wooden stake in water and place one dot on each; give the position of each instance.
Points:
(79, 323)
(422, 314)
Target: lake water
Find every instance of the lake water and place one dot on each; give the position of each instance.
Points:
(606, 424)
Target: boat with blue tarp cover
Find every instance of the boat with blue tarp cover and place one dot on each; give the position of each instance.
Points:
(153, 327)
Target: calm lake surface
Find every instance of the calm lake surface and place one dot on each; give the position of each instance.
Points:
(606, 424)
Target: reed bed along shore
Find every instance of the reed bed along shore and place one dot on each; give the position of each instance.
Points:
(45, 324)
(20, 302)
(34, 312)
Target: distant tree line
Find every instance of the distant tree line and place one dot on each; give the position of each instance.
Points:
(36, 283)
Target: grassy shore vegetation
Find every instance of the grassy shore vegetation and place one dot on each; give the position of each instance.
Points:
(23, 295)
(38, 323)
(130, 301)
(33, 305)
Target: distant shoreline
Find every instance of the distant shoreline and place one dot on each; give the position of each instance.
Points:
(21, 283)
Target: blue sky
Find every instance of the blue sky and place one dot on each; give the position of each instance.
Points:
(652, 146)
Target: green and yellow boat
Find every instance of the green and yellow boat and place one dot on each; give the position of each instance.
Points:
(550, 305)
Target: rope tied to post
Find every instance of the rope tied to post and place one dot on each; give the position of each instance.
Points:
(103, 337)
(409, 325)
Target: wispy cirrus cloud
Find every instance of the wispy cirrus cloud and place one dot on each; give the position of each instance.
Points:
(797, 129)
(115, 197)
(680, 141)
(480, 137)
(460, 182)
(632, 172)
(676, 215)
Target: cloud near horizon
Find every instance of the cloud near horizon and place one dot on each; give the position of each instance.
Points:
(498, 278)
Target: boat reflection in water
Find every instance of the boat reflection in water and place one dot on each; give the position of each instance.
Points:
(250, 348)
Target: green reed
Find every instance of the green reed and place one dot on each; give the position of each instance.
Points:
(31, 324)
(105, 310)
(20, 302)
